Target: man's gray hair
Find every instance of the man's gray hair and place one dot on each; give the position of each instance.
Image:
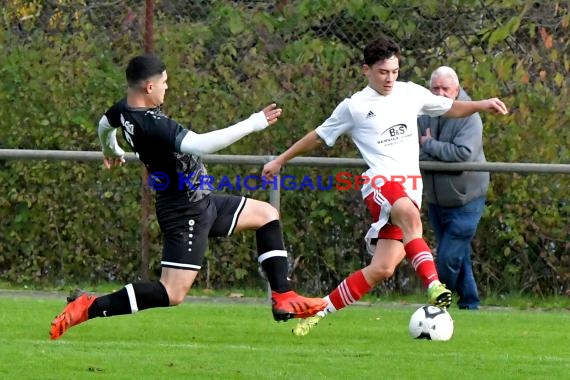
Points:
(444, 71)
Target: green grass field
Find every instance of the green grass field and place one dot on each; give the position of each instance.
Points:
(224, 339)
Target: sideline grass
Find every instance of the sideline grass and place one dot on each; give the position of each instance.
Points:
(207, 340)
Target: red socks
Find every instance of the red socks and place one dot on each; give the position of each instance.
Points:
(350, 290)
(419, 255)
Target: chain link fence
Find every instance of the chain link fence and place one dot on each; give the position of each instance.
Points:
(470, 36)
(431, 33)
(426, 29)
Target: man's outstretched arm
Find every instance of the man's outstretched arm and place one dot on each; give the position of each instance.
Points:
(462, 108)
(306, 144)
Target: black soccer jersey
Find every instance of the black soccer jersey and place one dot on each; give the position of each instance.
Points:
(156, 139)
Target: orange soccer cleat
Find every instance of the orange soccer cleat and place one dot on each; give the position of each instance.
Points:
(291, 305)
(74, 313)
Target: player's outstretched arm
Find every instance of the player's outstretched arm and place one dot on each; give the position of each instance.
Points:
(462, 108)
(113, 154)
(306, 144)
(210, 142)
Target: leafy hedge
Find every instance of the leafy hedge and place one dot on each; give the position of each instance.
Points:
(65, 222)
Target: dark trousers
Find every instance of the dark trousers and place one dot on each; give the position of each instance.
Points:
(454, 229)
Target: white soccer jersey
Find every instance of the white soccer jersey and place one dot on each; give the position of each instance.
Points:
(385, 131)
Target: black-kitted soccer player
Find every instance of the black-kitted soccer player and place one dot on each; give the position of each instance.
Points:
(188, 213)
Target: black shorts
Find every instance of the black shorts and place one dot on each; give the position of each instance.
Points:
(186, 227)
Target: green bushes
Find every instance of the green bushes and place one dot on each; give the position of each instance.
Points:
(65, 222)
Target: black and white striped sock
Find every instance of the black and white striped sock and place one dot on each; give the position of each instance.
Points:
(130, 299)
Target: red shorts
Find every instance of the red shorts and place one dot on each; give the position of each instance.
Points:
(388, 194)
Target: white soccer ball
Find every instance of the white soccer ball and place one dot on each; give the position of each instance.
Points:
(431, 322)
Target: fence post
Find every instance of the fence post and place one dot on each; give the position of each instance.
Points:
(275, 195)
(275, 201)
(145, 189)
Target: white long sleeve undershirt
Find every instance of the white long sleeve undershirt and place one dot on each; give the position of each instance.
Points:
(210, 142)
(108, 138)
(192, 143)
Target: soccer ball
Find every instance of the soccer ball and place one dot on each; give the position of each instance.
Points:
(431, 322)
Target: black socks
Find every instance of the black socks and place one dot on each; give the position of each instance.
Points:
(272, 256)
(130, 299)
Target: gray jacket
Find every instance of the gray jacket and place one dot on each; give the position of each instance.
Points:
(453, 140)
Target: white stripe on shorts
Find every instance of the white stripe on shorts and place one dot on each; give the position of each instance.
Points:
(236, 214)
(180, 265)
(132, 298)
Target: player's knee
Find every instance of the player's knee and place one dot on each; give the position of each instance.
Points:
(415, 225)
(386, 272)
(379, 273)
(176, 295)
(403, 208)
(176, 298)
(409, 221)
(269, 213)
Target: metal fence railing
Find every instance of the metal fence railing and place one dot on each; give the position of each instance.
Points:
(274, 192)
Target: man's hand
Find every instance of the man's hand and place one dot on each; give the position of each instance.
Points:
(112, 162)
(495, 105)
(270, 169)
(427, 136)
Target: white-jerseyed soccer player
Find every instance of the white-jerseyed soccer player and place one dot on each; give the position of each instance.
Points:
(382, 121)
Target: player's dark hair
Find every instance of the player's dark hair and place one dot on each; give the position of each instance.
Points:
(143, 67)
(380, 49)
